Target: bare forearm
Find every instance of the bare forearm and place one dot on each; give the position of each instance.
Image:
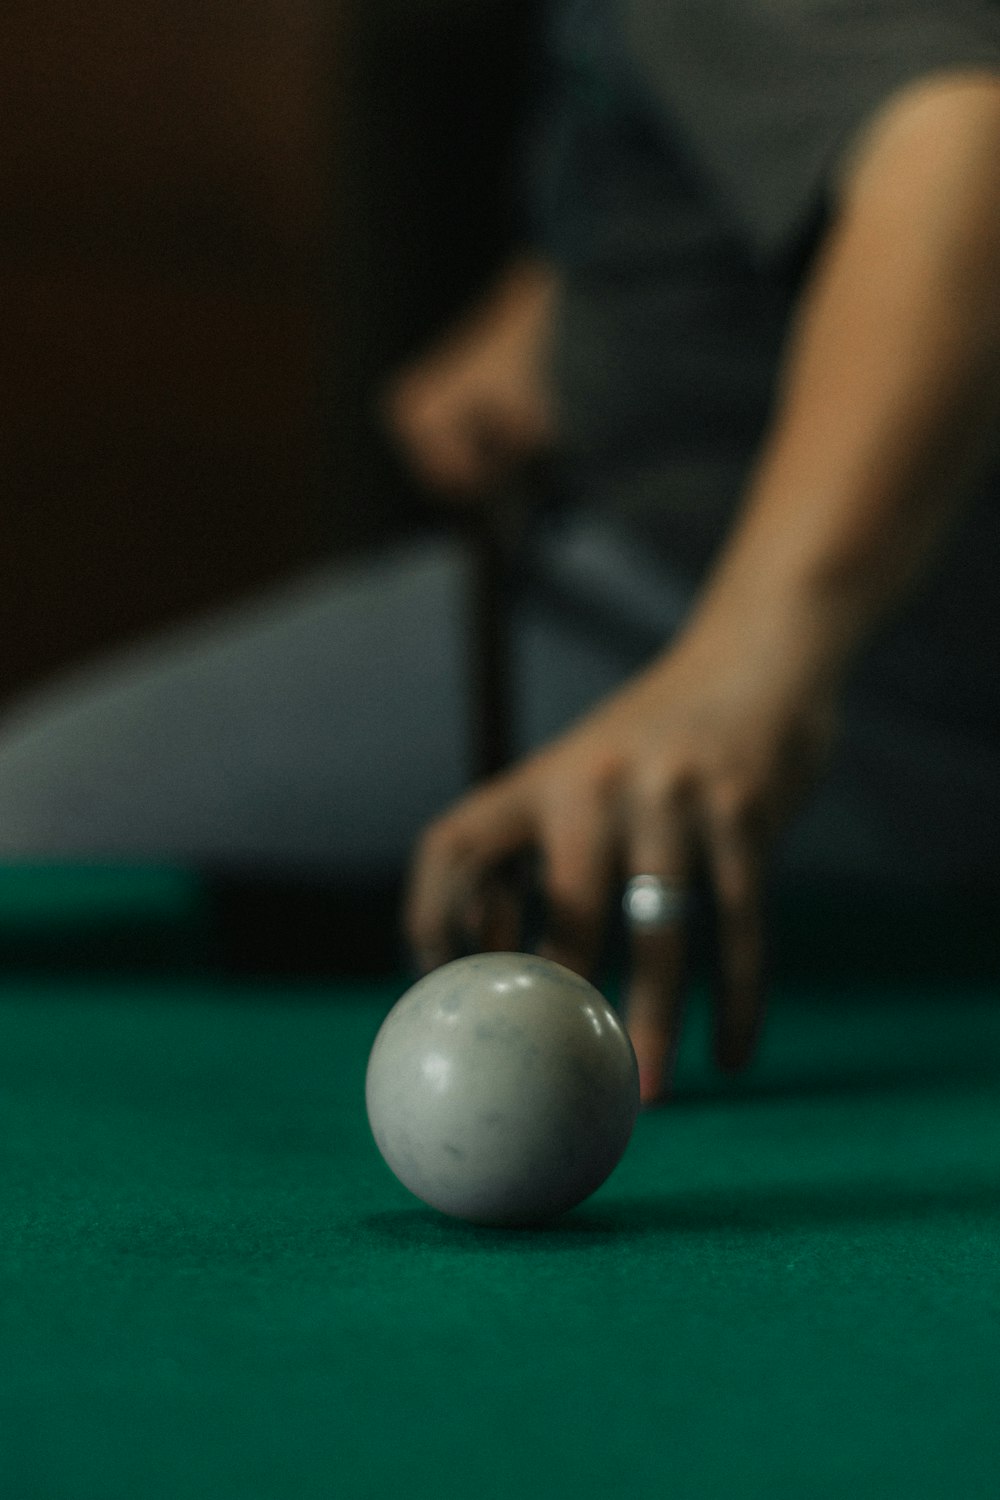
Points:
(891, 388)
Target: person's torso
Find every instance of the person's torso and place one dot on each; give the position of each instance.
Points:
(668, 345)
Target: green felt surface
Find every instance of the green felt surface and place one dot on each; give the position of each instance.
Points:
(210, 1286)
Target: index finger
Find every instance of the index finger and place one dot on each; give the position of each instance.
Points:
(450, 863)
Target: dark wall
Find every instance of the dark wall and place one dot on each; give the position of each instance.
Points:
(163, 204)
(221, 224)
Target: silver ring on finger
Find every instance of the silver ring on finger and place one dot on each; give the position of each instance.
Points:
(650, 904)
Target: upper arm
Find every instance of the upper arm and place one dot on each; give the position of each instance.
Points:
(946, 126)
(920, 188)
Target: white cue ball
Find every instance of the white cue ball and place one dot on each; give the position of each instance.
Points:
(502, 1089)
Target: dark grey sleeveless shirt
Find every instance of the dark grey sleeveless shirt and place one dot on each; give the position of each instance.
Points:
(680, 177)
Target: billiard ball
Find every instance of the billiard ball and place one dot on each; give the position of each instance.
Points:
(502, 1089)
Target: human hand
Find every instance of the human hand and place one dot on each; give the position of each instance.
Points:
(691, 770)
(476, 408)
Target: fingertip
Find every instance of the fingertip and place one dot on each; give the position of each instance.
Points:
(652, 1088)
(655, 1075)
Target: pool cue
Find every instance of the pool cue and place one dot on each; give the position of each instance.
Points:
(495, 538)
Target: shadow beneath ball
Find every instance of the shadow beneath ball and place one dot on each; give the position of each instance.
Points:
(426, 1229)
(737, 1212)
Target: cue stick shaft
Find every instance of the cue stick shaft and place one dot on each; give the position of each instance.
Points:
(496, 536)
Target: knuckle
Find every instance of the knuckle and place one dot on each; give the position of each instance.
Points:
(441, 842)
(467, 833)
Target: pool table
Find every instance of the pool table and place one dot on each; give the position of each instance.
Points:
(211, 1285)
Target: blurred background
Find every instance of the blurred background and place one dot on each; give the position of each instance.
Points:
(222, 224)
